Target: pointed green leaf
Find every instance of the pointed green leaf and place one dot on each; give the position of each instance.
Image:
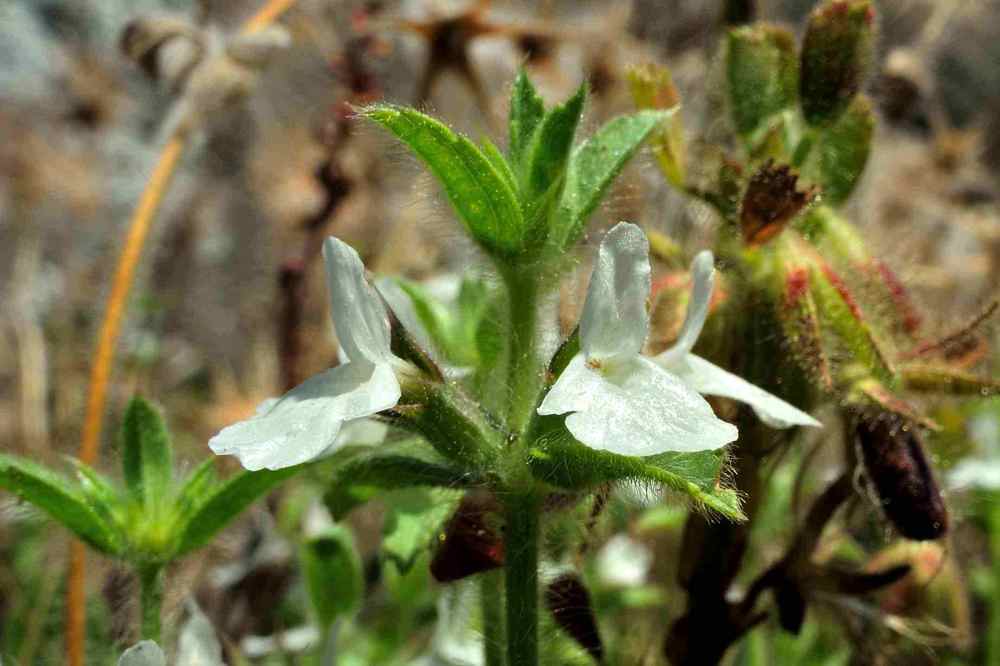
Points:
(333, 575)
(196, 488)
(499, 162)
(147, 457)
(226, 501)
(595, 164)
(59, 498)
(393, 465)
(761, 74)
(526, 111)
(841, 152)
(548, 151)
(413, 521)
(562, 461)
(480, 195)
(433, 314)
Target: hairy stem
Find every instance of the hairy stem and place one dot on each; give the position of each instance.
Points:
(494, 630)
(151, 601)
(521, 576)
(524, 379)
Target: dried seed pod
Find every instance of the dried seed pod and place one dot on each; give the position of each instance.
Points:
(770, 202)
(791, 606)
(569, 602)
(256, 49)
(471, 543)
(167, 48)
(897, 467)
(836, 52)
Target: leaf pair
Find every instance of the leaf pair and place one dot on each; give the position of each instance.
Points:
(154, 518)
(542, 193)
(565, 463)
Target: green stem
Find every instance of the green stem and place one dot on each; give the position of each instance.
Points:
(521, 576)
(993, 635)
(494, 634)
(804, 147)
(151, 601)
(524, 370)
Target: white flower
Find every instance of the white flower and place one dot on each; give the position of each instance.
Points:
(304, 424)
(618, 400)
(624, 562)
(710, 379)
(197, 645)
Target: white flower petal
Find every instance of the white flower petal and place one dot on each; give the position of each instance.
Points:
(197, 644)
(634, 407)
(709, 379)
(975, 473)
(144, 653)
(357, 310)
(303, 425)
(702, 284)
(624, 562)
(614, 320)
(362, 432)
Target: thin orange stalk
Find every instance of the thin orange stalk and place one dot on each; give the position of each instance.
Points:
(145, 212)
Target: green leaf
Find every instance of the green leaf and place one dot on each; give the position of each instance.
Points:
(393, 465)
(480, 195)
(147, 458)
(499, 162)
(545, 161)
(594, 165)
(526, 111)
(413, 521)
(57, 496)
(226, 501)
(761, 74)
(333, 575)
(560, 460)
(196, 488)
(433, 314)
(839, 157)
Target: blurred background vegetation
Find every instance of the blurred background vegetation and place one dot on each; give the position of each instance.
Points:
(229, 308)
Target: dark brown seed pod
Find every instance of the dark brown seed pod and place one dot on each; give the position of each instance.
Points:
(771, 201)
(472, 544)
(569, 602)
(898, 469)
(791, 606)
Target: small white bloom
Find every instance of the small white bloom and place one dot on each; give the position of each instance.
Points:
(983, 469)
(709, 379)
(623, 562)
(198, 644)
(304, 424)
(144, 653)
(618, 400)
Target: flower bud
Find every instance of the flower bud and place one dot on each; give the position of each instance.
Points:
(760, 74)
(652, 87)
(471, 543)
(897, 467)
(835, 54)
(569, 602)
